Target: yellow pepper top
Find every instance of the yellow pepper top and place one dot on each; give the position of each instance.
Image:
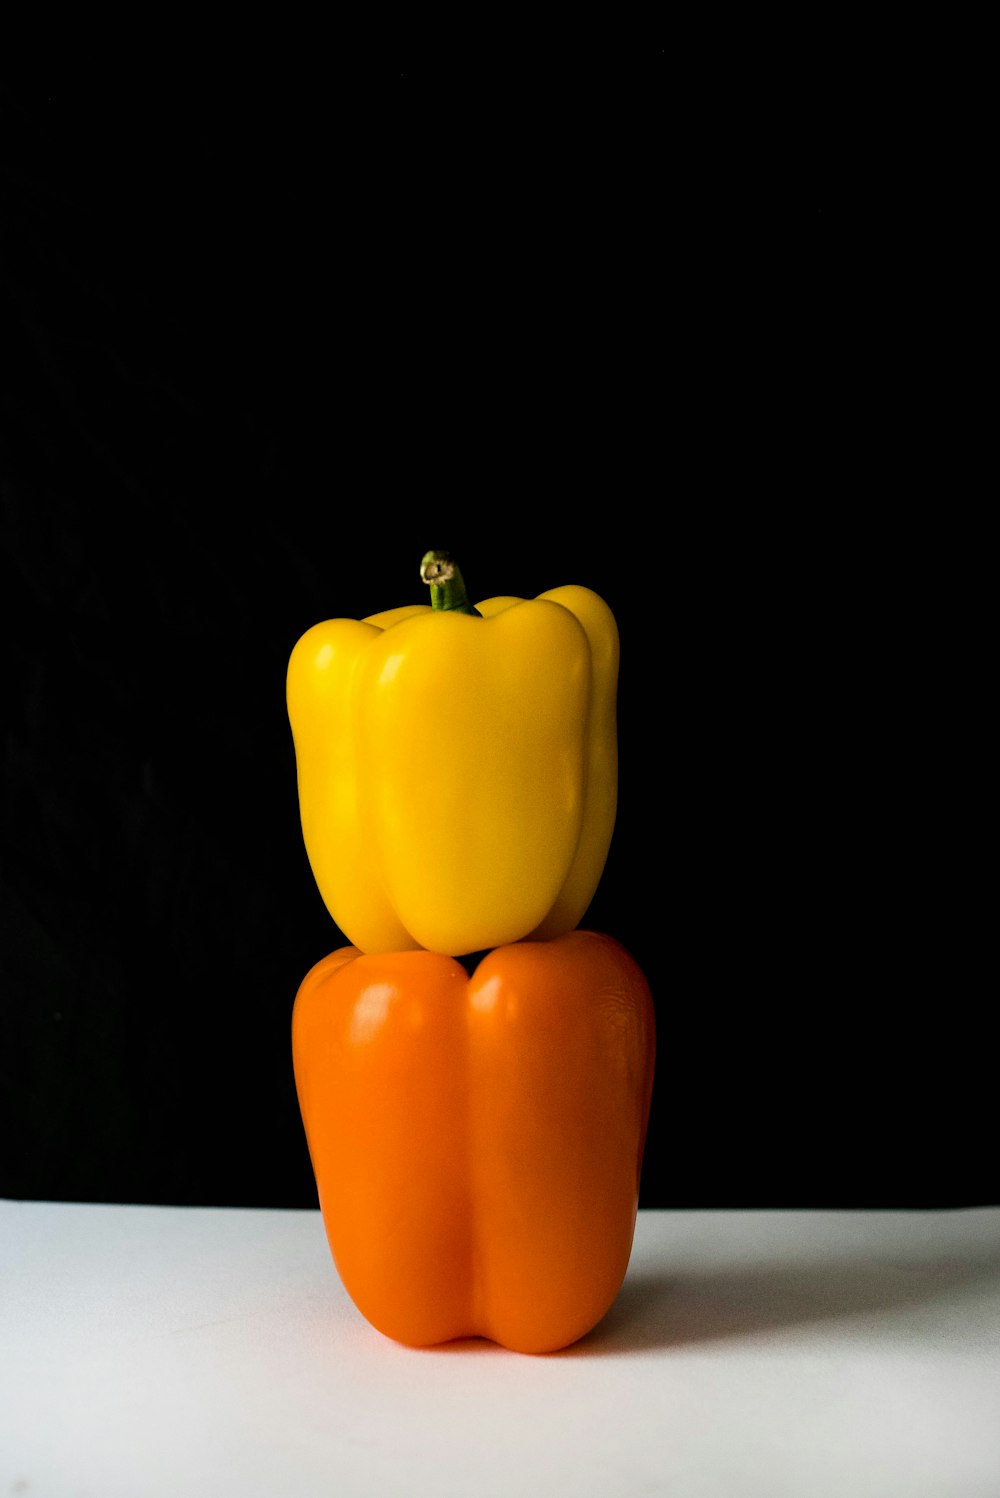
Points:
(458, 769)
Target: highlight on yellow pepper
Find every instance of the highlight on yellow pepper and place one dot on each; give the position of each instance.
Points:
(457, 766)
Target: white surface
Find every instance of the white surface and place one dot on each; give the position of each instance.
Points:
(193, 1353)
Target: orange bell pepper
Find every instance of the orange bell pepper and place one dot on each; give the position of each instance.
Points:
(477, 1142)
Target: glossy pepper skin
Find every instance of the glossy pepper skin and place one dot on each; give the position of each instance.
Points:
(457, 774)
(477, 1142)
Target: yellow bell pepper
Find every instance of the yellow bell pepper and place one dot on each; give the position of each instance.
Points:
(458, 767)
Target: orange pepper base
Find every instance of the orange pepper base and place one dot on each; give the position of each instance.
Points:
(477, 1142)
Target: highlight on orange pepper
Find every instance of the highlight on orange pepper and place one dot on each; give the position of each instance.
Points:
(477, 1141)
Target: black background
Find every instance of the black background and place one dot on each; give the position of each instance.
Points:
(623, 318)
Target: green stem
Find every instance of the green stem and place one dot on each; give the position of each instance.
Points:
(441, 573)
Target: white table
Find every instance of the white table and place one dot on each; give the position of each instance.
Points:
(159, 1352)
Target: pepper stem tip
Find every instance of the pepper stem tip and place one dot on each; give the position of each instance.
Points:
(443, 576)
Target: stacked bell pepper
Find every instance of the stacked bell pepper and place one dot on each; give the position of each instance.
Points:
(476, 1129)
